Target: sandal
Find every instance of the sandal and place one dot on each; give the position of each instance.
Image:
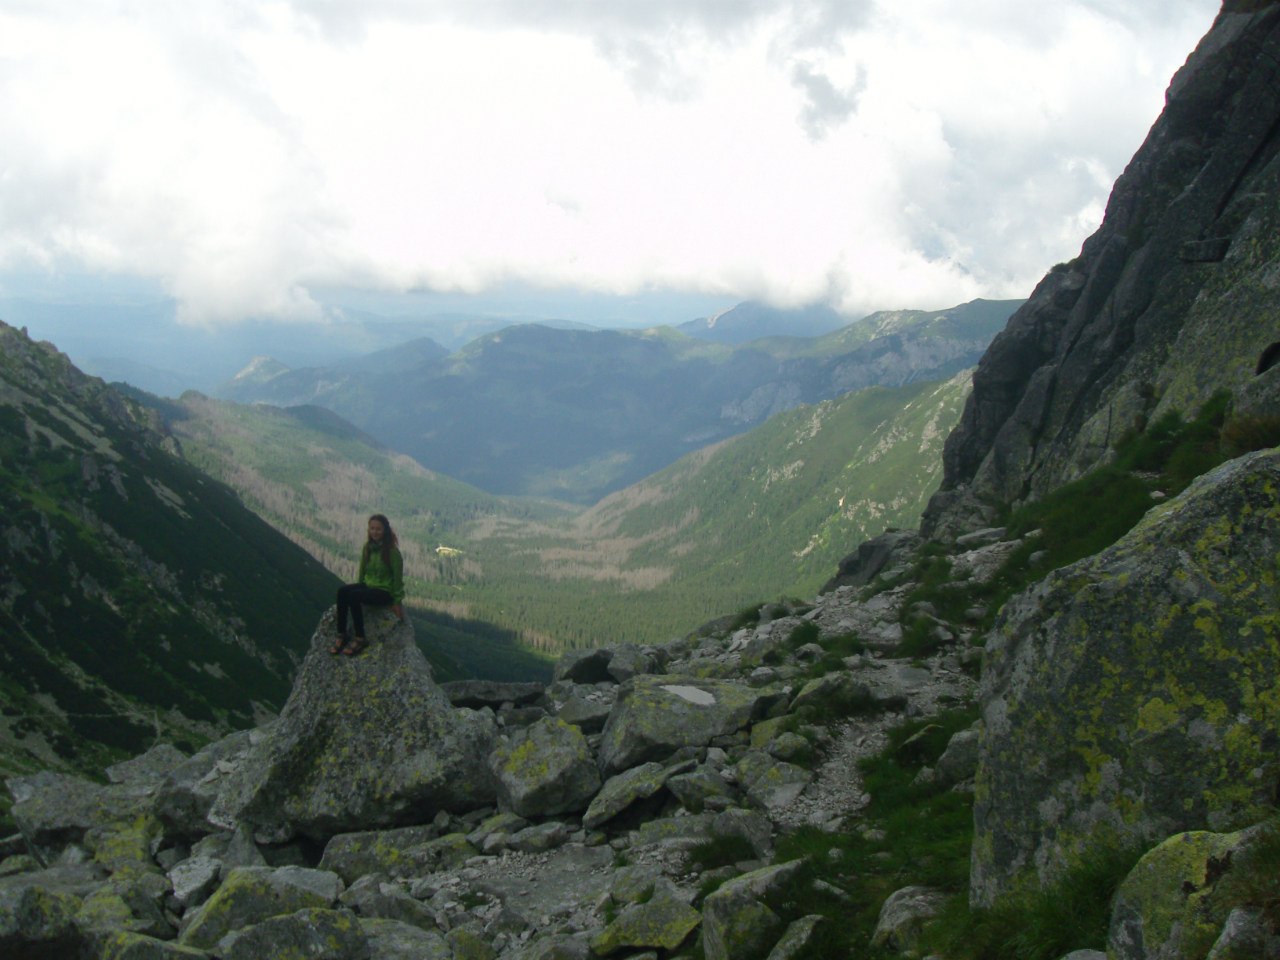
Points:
(339, 642)
(355, 646)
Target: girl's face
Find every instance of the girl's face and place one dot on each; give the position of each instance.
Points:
(376, 531)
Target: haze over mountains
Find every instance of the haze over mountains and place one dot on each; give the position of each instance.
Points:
(576, 414)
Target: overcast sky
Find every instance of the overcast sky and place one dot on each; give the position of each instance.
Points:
(246, 155)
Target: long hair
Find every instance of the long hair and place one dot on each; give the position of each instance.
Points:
(389, 540)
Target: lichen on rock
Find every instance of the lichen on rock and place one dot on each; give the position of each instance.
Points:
(1133, 694)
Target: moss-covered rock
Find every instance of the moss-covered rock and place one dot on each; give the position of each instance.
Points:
(741, 919)
(363, 742)
(663, 922)
(352, 855)
(1134, 693)
(393, 940)
(36, 919)
(657, 715)
(621, 791)
(1171, 906)
(333, 934)
(251, 895)
(136, 946)
(544, 769)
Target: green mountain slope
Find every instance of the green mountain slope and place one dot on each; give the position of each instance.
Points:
(139, 599)
(316, 478)
(767, 513)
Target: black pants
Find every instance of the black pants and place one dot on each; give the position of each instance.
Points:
(351, 597)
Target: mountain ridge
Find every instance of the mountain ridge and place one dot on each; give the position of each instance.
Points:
(573, 414)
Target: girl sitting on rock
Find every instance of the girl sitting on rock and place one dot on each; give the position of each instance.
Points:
(380, 583)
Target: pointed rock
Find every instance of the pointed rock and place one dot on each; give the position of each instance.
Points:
(363, 742)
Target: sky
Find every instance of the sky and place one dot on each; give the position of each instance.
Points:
(254, 161)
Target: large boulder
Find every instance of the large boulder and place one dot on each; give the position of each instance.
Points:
(363, 742)
(251, 895)
(741, 920)
(656, 715)
(1174, 903)
(1133, 694)
(544, 769)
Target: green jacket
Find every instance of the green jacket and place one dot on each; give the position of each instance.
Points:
(374, 573)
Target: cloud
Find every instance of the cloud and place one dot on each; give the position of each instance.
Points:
(248, 154)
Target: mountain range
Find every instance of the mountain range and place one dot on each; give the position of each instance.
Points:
(575, 414)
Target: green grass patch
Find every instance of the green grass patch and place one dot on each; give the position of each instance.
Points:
(910, 834)
(1044, 924)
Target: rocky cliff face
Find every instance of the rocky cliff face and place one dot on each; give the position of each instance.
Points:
(1173, 298)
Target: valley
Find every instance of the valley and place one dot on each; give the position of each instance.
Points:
(767, 513)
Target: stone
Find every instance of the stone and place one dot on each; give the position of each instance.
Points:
(839, 693)
(664, 922)
(539, 838)
(475, 694)
(189, 790)
(903, 916)
(362, 742)
(1170, 906)
(193, 880)
(586, 708)
(633, 884)
(332, 934)
(53, 810)
(372, 896)
(656, 715)
(393, 940)
(37, 917)
(467, 944)
(621, 791)
(135, 946)
(250, 895)
(798, 938)
(701, 789)
(770, 783)
(233, 848)
(1128, 693)
(739, 921)
(1246, 935)
(584, 666)
(544, 770)
(131, 900)
(959, 761)
(353, 855)
(629, 660)
(554, 947)
(149, 769)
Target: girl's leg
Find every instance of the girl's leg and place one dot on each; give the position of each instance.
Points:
(358, 596)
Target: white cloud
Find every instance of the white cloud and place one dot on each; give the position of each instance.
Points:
(881, 156)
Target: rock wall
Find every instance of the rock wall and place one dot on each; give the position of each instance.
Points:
(1136, 693)
(1173, 298)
